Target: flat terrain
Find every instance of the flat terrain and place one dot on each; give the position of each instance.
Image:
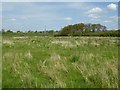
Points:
(53, 62)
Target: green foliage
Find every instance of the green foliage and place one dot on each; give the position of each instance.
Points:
(75, 58)
(9, 31)
(81, 28)
(70, 30)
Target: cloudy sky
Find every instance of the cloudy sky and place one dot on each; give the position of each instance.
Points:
(26, 16)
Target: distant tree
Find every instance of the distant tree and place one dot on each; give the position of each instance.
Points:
(30, 31)
(77, 33)
(19, 32)
(104, 28)
(87, 28)
(51, 31)
(98, 27)
(81, 28)
(65, 31)
(93, 26)
(36, 31)
(9, 31)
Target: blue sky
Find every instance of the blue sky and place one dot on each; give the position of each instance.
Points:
(34, 16)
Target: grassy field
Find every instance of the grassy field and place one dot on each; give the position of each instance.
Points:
(60, 62)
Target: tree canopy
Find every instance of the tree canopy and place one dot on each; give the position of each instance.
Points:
(78, 29)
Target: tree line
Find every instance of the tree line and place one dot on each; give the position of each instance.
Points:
(80, 29)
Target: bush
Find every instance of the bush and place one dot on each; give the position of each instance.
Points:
(75, 58)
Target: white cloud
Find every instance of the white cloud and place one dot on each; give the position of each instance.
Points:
(95, 10)
(94, 16)
(33, 15)
(68, 18)
(112, 6)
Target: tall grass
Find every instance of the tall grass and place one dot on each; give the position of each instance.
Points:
(53, 62)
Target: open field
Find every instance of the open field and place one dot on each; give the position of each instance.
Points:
(52, 62)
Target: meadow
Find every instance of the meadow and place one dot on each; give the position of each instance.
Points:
(59, 62)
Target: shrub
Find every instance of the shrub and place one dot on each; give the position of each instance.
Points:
(75, 58)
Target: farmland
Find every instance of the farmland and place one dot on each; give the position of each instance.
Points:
(59, 62)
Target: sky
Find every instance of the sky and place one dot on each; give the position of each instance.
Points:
(36, 16)
(60, 0)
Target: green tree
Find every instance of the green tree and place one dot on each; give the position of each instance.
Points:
(9, 31)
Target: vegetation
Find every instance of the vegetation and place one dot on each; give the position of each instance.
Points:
(59, 62)
(55, 59)
(80, 29)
